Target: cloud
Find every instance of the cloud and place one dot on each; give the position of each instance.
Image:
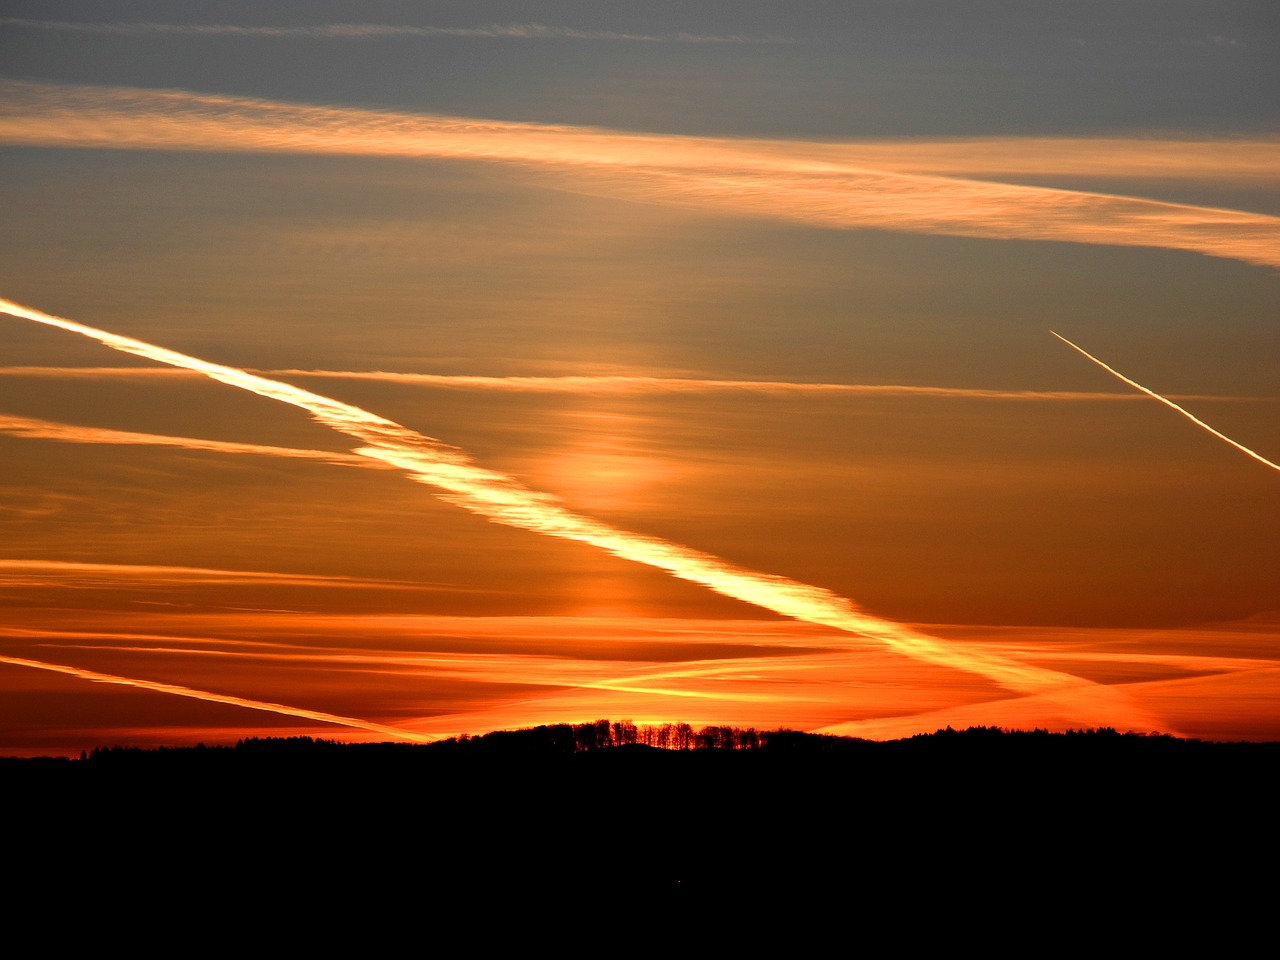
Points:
(377, 31)
(503, 499)
(1169, 403)
(821, 185)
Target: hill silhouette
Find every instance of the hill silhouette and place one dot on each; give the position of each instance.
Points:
(772, 813)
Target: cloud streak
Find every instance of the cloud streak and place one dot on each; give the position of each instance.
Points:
(503, 499)
(611, 384)
(1169, 403)
(684, 385)
(179, 691)
(81, 574)
(822, 185)
(70, 433)
(376, 31)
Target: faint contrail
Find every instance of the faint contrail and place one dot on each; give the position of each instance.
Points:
(375, 31)
(822, 185)
(94, 574)
(70, 433)
(574, 384)
(503, 499)
(194, 694)
(1169, 403)
(637, 384)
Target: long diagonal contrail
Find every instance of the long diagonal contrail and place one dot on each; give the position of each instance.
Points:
(180, 691)
(1169, 403)
(503, 499)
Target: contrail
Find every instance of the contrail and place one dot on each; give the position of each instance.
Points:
(1169, 403)
(503, 499)
(376, 31)
(637, 384)
(819, 185)
(77, 573)
(70, 433)
(179, 691)
(565, 384)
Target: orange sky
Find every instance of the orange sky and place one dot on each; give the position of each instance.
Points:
(372, 418)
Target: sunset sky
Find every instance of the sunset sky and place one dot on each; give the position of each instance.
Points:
(398, 370)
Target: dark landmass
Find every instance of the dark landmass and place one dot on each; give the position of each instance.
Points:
(950, 815)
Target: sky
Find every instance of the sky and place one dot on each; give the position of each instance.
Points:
(395, 371)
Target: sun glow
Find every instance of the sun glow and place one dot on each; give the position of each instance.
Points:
(505, 500)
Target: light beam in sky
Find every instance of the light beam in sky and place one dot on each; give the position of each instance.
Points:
(503, 499)
(823, 185)
(1169, 403)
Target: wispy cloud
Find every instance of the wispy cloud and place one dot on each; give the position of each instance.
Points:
(1169, 403)
(503, 499)
(180, 691)
(821, 185)
(377, 31)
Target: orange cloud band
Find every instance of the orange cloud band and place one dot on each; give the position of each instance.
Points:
(828, 185)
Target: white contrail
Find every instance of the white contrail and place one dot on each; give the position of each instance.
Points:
(820, 185)
(503, 499)
(180, 691)
(1169, 403)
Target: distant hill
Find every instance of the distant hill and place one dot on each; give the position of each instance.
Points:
(787, 812)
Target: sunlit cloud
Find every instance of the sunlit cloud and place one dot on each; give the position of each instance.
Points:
(1252, 160)
(1169, 403)
(820, 185)
(71, 433)
(375, 31)
(503, 499)
(394, 733)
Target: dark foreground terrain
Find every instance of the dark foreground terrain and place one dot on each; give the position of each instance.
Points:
(974, 817)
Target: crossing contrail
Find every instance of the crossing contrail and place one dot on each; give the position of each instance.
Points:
(503, 499)
(1169, 403)
(180, 691)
